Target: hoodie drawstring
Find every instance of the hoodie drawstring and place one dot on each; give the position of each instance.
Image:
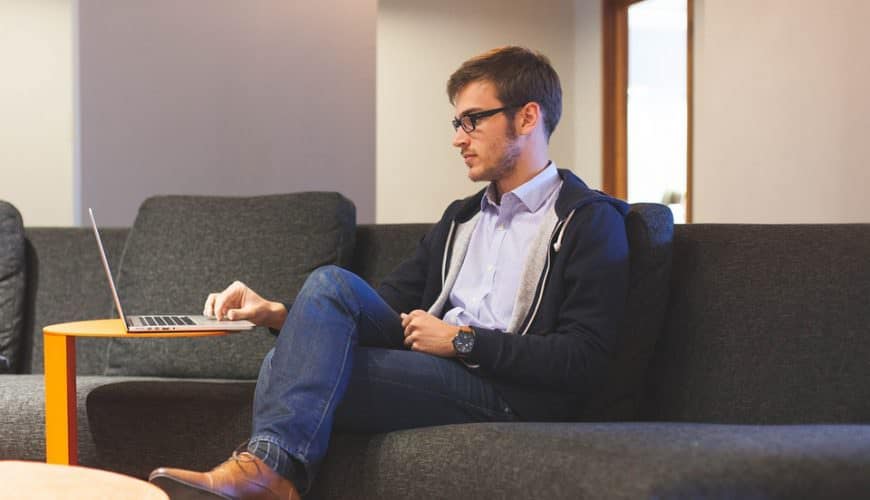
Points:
(558, 245)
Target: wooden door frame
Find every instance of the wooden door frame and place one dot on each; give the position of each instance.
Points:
(614, 32)
(614, 44)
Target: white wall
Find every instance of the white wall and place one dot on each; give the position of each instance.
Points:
(419, 44)
(36, 118)
(782, 112)
(224, 97)
(177, 95)
(587, 91)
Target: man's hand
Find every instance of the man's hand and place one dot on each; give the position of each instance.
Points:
(240, 302)
(426, 333)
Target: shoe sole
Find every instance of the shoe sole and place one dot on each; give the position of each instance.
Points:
(180, 490)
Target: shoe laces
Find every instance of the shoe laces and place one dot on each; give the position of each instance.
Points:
(242, 447)
(242, 455)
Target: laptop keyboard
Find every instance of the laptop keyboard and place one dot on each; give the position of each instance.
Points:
(167, 320)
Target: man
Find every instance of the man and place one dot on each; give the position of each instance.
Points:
(508, 309)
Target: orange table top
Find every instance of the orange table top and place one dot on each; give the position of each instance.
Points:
(40, 480)
(115, 328)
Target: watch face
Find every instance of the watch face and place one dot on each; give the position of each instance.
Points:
(463, 342)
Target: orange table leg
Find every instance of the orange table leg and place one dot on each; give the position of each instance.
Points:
(61, 436)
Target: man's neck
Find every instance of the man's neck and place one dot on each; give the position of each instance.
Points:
(523, 173)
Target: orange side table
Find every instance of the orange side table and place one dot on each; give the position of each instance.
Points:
(61, 437)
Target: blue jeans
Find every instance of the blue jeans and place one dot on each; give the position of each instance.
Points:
(340, 361)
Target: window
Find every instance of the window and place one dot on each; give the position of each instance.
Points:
(647, 107)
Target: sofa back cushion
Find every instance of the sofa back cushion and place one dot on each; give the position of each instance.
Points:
(649, 228)
(12, 287)
(65, 264)
(181, 248)
(768, 324)
(380, 248)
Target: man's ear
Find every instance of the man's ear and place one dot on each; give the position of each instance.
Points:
(527, 118)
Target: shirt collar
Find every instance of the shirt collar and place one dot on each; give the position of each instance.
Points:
(533, 193)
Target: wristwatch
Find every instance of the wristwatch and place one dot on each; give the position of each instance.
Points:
(463, 342)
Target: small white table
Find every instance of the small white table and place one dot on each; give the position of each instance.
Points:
(38, 480)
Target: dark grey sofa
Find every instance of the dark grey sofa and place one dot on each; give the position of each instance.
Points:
(743, 371)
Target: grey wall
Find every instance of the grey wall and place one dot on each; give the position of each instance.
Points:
(225, 97)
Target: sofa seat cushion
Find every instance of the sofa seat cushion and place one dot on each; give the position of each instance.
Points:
(132, 424)
(181, 248)
(136, 424)
(12, 287)
(588, 460)
(192, 423)
(22, 417)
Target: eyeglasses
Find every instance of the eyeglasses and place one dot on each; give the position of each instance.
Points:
(468, 122)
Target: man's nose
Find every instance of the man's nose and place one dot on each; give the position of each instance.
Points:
(460, 138)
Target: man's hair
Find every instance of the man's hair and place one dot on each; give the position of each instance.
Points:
(520, 76)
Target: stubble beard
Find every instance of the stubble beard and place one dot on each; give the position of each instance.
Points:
(507, 162)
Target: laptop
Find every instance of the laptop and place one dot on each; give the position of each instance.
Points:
(162, 322)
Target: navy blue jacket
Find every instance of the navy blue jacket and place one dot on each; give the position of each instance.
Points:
(546, 373)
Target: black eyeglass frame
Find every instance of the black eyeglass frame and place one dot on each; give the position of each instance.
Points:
(472, 118)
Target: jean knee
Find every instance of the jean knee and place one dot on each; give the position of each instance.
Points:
(327, 275)
(331, 281)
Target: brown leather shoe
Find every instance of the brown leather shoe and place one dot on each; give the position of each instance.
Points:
(243, 477)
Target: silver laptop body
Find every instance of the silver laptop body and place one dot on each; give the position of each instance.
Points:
(162, 322)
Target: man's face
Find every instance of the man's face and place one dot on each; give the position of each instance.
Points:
(490, 150)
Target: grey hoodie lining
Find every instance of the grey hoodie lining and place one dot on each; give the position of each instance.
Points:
(460, 248)
(529, 279)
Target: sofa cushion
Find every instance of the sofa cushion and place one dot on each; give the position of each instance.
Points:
(767, 324)
(136, 424)
(191, 423)
(22, 417)
(181, 248)
(131, 424)
(12, 287)
(380, 248)
(649, 228)
(72, 287)
(614, 460)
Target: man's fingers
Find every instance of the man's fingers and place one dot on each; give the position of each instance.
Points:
(413, 325)
(208, 308)
(223, 302)
(218, 305)
(409, 317)
(409, 340)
